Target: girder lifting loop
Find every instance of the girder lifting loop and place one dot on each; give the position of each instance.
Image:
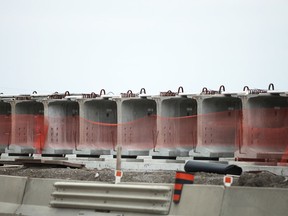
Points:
(142, 90)
(246, 88)
(205, 90)
(221, 89)
(93, 95)
(102, 92)
(129, 93)
(271, 86)
(180, 89)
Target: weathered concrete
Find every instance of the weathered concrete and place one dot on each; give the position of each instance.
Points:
(136, 139)
(98, 133)
(37, 197)
(63, 131)
(217, 121)
(264, 126)
(171, 126)
(22, 196)
(148, 164)
(25, 115)
(12, 190)
(239, 201)
(5, 125)
(175, 137)
(199, 200)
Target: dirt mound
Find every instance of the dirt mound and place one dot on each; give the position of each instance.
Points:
(250, 179)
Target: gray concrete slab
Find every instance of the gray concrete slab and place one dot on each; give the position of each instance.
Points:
(239, 201)
(11, 193)
(199, 200)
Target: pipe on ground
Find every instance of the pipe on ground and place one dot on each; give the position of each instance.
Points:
(196, 166)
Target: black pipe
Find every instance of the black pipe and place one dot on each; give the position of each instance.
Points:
(196, 166)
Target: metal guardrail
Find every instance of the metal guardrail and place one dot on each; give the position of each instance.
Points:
(120, 197)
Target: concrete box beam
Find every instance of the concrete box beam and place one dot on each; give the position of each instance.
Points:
(62, 118)
(218, 122)
(98, 127)
(27, 117)
(176, 126)
(5, 125)
(136, 125)
(264, 127)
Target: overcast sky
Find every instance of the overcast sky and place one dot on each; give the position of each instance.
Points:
(86, 45)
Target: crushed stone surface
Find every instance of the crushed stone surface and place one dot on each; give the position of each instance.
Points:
(249, 179)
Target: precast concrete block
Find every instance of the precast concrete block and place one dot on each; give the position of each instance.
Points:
(212, 152)
(199, 200)
(136, 130)
(170, 152)
(98, 126)
(176, 132)
(217, 125)
(11, 193)
(264, 127)
(62, 116)
(37, 197)
(92, 152)
(27, 124)
(242, 201)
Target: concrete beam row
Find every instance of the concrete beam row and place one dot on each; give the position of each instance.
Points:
(206, 125)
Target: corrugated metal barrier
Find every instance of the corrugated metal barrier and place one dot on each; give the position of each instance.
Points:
(134, 198)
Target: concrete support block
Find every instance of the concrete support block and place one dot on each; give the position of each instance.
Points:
(240, 201)
(137, 125)
(199, 200)
(63, 126)
(11, 193)
(176, 126)
(27, 122)
(37, 197)
(264, 133)
(217, 123)
(97, 125)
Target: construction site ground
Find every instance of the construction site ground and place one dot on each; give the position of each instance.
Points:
(250, 179)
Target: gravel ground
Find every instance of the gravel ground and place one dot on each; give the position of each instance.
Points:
(250, 179)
